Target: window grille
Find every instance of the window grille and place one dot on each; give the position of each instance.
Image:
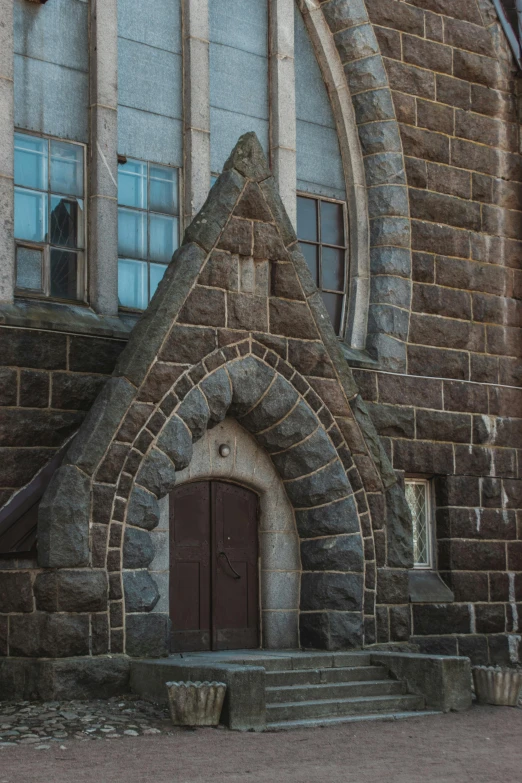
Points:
(49, 219)
(419, 501)
(322, 234)
(148, 229)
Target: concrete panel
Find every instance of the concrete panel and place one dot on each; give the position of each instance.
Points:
(226, 128)
(56, 34)
(38, 99)
(149, 79)
(280, 630)
(238, 81)
(153, 22)
(279, 551)
(280, 589)
(318, 159)
(240, 23)
(150, 136)
(311, 98)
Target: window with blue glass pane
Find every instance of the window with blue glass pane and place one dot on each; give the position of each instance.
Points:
(148, 228)
(49, 220)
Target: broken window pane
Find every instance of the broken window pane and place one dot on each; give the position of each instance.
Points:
(64, 222)
(64, 274)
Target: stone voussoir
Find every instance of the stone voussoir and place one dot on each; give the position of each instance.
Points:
(272, 407)
(325, 485)
(157, 473)
(250, 379)
(143, 509)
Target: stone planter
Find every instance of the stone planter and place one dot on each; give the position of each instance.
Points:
(494, 685)
(195, 703)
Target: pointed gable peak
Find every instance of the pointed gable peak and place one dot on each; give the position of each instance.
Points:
(248, 158)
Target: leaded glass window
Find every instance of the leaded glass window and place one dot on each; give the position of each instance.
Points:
(321, 230)
(418, 498)
(148, 229)
(49, 220)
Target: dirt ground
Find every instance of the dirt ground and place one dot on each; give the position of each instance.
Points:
(483, 745)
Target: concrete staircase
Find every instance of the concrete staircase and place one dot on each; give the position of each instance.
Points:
(300, 692)
(284, 689)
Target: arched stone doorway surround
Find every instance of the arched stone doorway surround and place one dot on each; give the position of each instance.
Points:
(310, 475)
(248, 465)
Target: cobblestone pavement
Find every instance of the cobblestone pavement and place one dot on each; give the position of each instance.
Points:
(481, 745)
(42, 724)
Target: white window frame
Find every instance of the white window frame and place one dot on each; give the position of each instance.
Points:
(429, 564)
(45, 247)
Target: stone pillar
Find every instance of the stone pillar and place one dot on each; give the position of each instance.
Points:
(103, 161)
(7, 250)
(282, 102)
(196, 105)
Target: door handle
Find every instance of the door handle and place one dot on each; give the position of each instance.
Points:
(224, 554)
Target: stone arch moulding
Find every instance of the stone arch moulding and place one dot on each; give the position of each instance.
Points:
(371, 147)
(235, 328)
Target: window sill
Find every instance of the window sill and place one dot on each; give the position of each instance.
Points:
(358, 358)
(60, 317)
(428, 587)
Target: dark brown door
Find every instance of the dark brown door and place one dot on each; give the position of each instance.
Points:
(190, 567)
(214, 596)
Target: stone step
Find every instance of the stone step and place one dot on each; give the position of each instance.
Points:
(317, 676)
(310, 723)
(330, 708)
(289, 661)
(339, 690)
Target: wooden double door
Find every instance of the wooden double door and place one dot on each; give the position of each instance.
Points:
(214, 584)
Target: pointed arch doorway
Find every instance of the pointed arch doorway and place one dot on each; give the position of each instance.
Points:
(214, 574)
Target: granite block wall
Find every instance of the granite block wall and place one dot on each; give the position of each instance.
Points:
(441, 380)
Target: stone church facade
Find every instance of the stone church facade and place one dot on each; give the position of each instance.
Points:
(338, 331)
